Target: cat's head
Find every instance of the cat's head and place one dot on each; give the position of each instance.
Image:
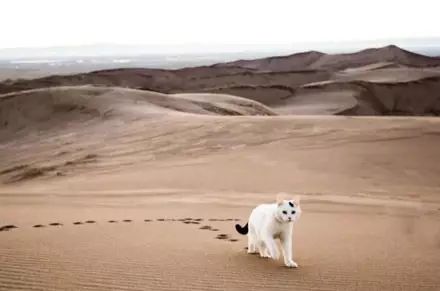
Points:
(288, 209)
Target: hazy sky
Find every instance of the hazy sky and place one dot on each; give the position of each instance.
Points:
(78, 22)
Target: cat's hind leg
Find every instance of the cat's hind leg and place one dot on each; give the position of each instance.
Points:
(262, 249)
(252, 243)
(272, 249)
(266, 253)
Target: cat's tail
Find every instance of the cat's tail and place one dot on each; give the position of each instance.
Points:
(242, 230)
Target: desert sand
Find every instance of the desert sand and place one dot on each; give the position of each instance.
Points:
(111, 188)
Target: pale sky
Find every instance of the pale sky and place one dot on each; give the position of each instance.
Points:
(26, 23)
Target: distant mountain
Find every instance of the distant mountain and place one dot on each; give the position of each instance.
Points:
(389, 53)
(320, 61)
(298, 61)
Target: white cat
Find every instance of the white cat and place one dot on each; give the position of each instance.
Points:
(268, 222)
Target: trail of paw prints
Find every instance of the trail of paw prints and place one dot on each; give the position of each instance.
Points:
(84, 222)
(198, 221)
(187, 220)
(225, 236)
(221, 236)
(8, 227)
(50, 224)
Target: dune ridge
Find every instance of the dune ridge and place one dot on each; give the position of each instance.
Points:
(318, 60)
(81, 103)
(273, 80)
(414, 98)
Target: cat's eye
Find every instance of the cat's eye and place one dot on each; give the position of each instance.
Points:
(284, 212)
(293, 211)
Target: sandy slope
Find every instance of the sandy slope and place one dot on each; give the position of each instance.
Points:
(339, 247)
(370, 198)
(44, 108)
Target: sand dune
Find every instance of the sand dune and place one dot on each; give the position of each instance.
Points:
(291, 79)
(298, 61)
(150, 79)
(287, 93)
(321, 61)
(386, 75)
(60, 105)
(402, 92)
(188, 80)
(373, 66)
(284, 83)
(386, 54)
(415, 97)
(268, 95)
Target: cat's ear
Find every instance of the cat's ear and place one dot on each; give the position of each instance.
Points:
(280, 198)
(297, 199)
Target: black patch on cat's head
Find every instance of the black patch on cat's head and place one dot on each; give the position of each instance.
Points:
(291, 204)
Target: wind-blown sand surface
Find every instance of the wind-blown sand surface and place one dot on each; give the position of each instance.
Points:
(101, 167)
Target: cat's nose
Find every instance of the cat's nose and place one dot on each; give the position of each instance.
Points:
(290, 218)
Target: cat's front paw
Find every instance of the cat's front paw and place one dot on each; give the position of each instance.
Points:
(273, 256)
(291, 264)
(265, 254)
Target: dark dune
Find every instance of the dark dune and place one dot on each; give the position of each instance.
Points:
(287, 84)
